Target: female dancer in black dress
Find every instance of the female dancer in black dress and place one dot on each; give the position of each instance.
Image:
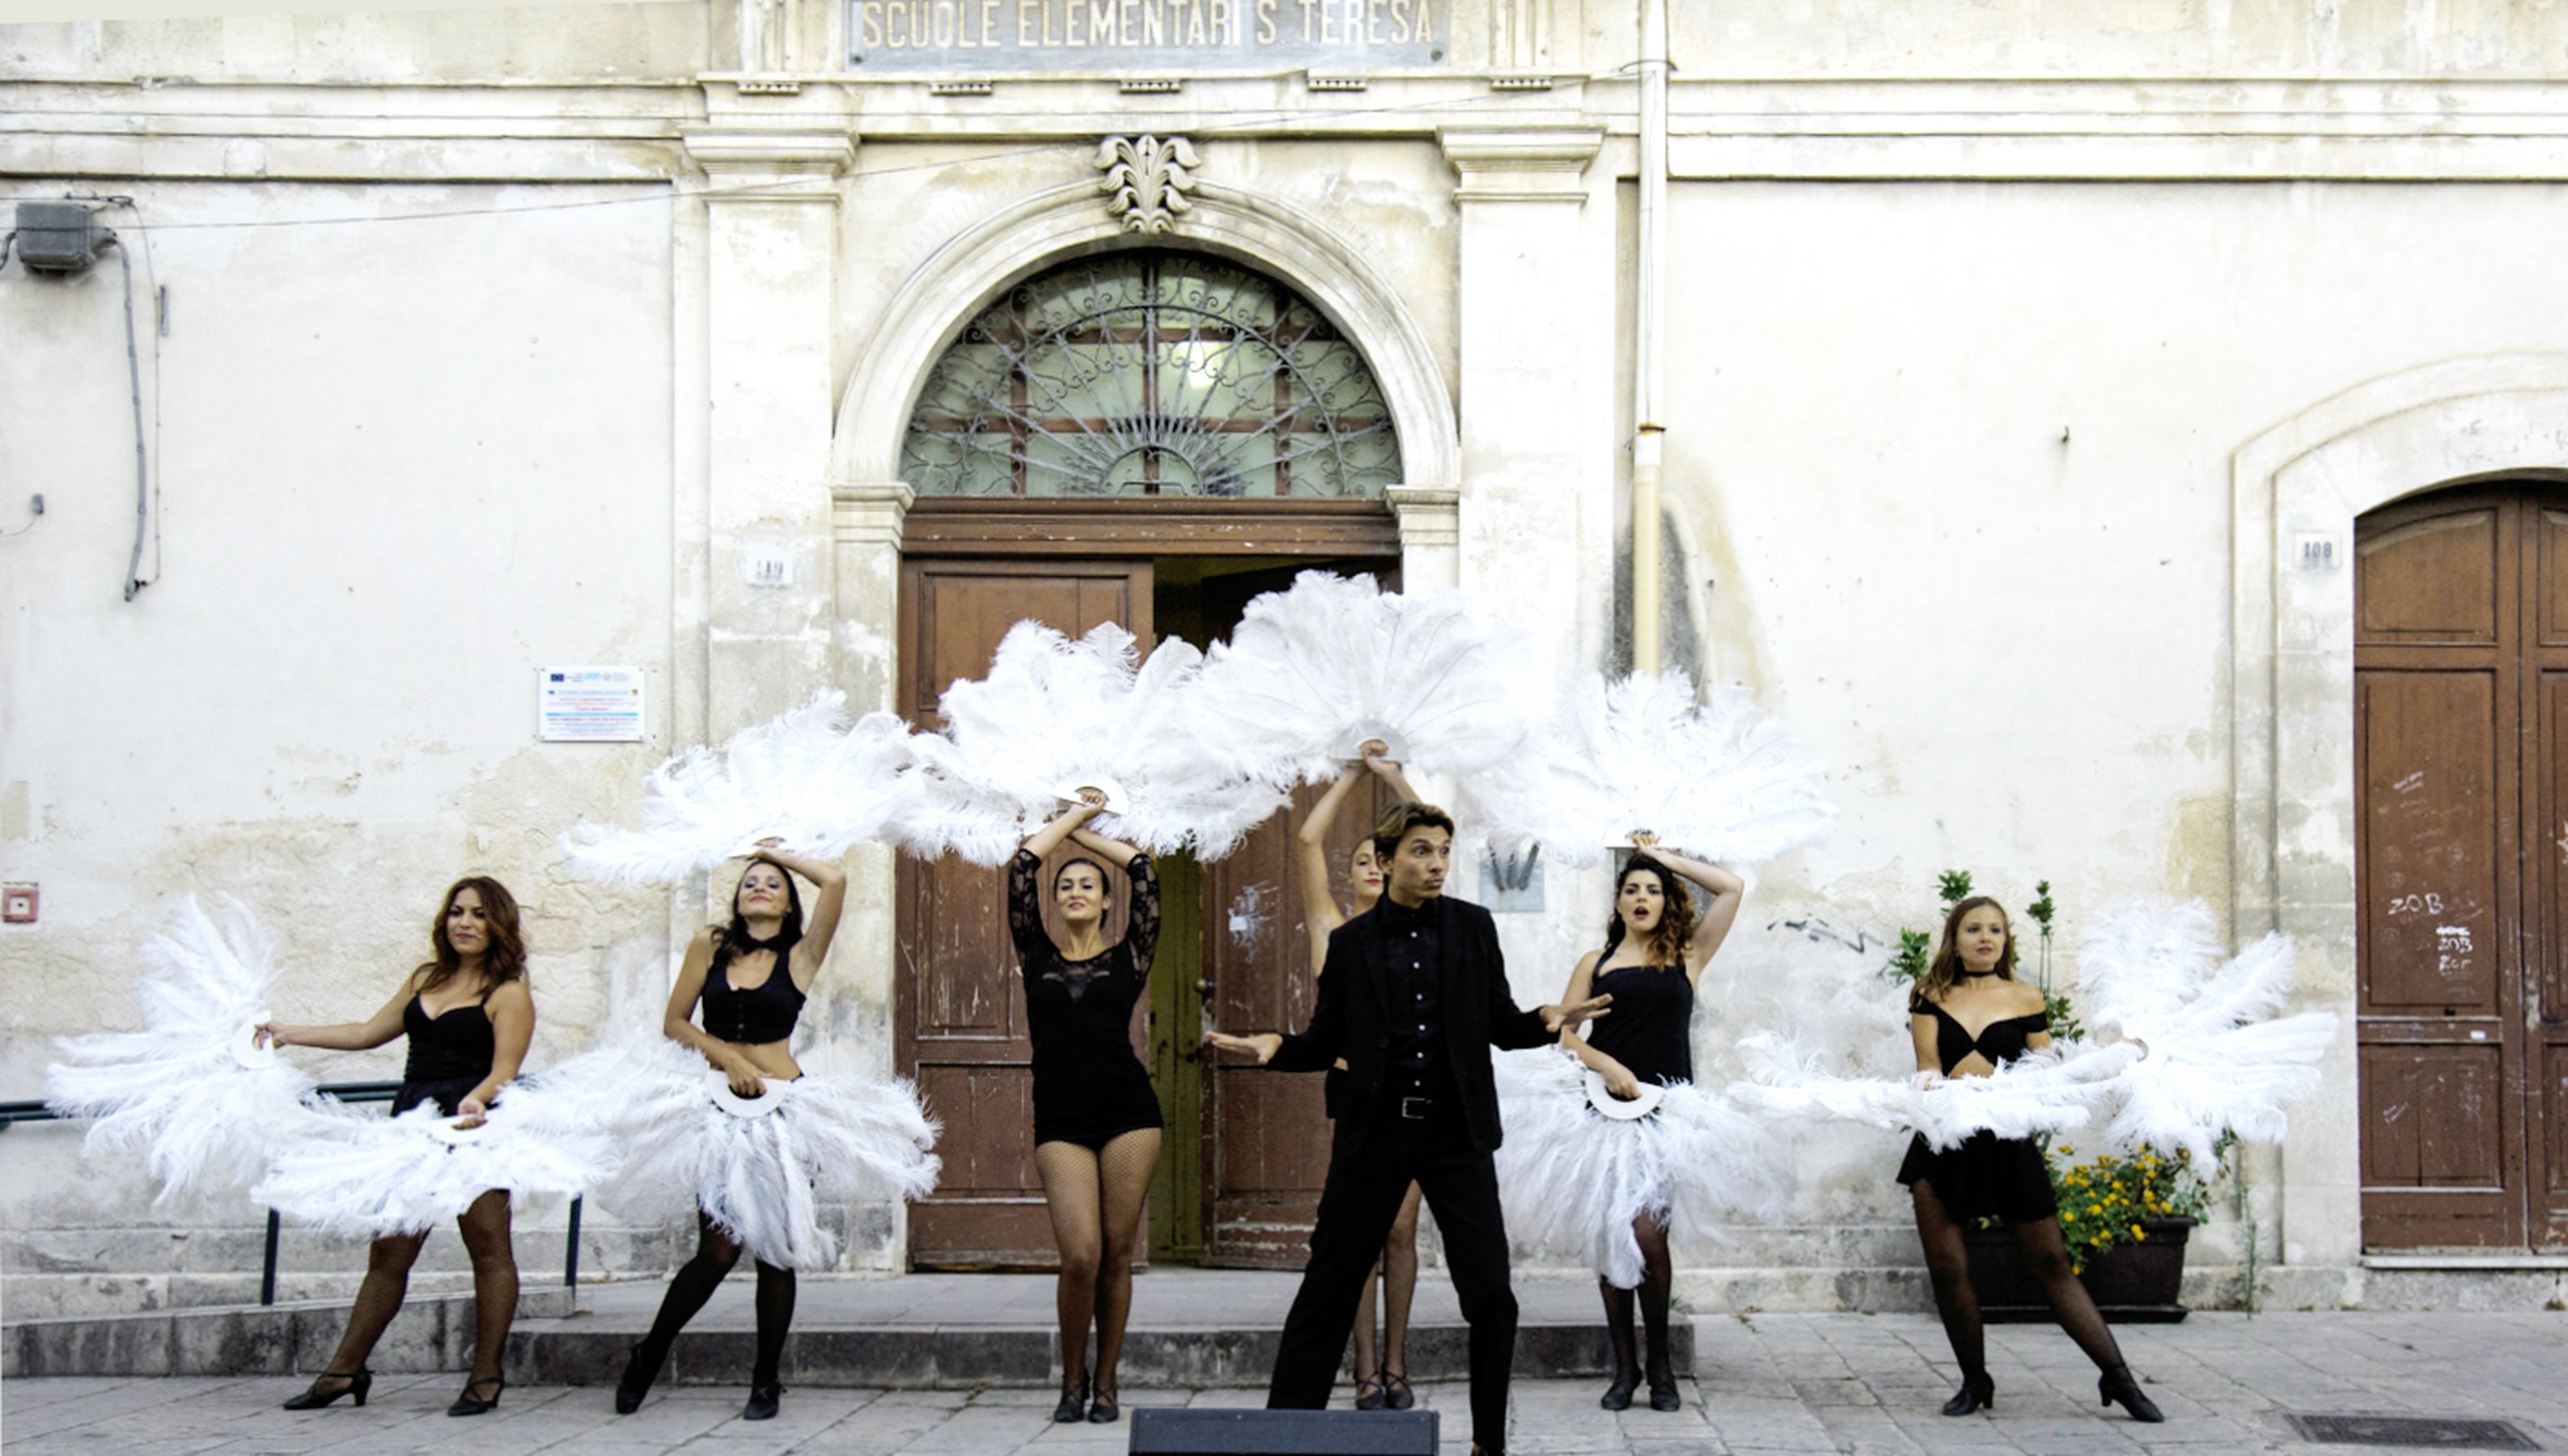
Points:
(752, 977)
(470, 1017)
(1096, 1119)
(1382, 1369)
(1654, 950)
(1967, 1015)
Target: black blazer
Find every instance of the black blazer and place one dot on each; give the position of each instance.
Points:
(1353, 1016)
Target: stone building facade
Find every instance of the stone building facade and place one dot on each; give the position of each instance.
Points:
(2036, 383)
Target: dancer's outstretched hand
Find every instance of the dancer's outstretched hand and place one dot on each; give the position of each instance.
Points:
(1557, 1016)
(1263, 1046)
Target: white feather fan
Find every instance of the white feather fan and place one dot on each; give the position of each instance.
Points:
(1573, 1181)
(1310, 670)
(2218, 1056)
(1054, 712)
(366, 1175)
(188, 1088)
(2030, 1094)
(1642, 753)
(804, 777)
(835, 1137)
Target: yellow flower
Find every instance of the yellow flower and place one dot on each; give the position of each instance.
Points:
(2094, 1208)
(2137, 1232)
(2066, 1148)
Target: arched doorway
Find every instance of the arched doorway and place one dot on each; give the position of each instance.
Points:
(1149, 437)
(2461, 867)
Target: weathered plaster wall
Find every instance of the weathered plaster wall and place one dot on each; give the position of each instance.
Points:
(402, 466)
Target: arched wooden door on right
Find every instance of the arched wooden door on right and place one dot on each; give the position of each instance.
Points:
(2461, 868)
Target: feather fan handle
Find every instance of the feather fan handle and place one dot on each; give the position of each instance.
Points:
(1713, 778)
(1312, 670)
(804, 777)
(1054, 712)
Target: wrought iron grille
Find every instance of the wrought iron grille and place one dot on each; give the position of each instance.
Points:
(1152, 373)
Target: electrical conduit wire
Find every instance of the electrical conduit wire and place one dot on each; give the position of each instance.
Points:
(142, 471)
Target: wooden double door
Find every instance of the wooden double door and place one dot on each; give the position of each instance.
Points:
(2461, 868)
(1246, 1149)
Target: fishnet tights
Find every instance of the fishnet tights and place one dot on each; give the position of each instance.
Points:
(495, 1287)
(1096, 1198)
(695, 1282)
(1656, 1278)
(1949, 1267)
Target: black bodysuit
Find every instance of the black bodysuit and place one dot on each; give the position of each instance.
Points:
(449, 1056)
(1988, 1176)
(1088, 1085)
(1651, 1029)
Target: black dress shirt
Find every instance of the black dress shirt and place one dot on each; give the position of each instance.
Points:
(1419, 1066)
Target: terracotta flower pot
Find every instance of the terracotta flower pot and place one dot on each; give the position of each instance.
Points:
(2134, 1284)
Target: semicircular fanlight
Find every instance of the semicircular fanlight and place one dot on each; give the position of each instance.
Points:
(1152, 372)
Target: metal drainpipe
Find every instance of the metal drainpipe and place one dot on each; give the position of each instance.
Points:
(1648, 340)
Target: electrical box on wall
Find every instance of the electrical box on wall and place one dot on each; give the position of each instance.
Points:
(17, 904)
(59, 237)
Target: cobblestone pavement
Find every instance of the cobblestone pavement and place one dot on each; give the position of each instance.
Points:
(1771, 1383)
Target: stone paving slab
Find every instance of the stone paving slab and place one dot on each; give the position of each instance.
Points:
(1771, 1384)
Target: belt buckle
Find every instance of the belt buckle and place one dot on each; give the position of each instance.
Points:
(1416, 1108)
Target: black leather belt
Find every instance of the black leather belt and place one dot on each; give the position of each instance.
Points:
(1417, 1109)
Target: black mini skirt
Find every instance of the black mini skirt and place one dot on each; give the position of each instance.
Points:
(448, 1095)
(1988, 1176)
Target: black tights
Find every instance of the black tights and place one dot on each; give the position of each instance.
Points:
(484, 1227)
(695, 1283)
(1949, 1266)
(1655, 1280)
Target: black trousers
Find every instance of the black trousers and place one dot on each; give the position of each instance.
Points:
(1357, 1205)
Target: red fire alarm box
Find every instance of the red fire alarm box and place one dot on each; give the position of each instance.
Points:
(18, 904)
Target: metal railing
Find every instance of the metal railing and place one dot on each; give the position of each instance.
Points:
(12, 1113)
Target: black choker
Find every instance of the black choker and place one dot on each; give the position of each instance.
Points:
(1992, 971)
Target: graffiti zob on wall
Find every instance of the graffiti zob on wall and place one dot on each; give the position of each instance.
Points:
(985, 37)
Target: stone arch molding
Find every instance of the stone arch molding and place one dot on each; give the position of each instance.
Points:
(2296, 491)
(960, 278)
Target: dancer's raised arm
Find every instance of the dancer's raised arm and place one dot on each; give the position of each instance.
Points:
(822, 925)
(1061, 826)
(1720, 913)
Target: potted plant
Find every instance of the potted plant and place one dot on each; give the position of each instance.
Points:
(2125, 1219)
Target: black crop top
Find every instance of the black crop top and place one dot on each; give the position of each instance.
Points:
(758, 1015)
(1651, 1030)
(2000, 1040)
(457, 1047)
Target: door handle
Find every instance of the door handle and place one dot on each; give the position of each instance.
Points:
(1203, 988)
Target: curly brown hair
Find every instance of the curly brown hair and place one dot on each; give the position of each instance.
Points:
(1675, 933)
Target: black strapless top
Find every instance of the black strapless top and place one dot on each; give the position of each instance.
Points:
(1650, 1028)
(456, 1047)
(2000, 1040)
(764, 1012)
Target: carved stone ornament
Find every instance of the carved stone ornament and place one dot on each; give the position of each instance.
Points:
(1146, 179)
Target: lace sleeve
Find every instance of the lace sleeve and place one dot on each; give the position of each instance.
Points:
(1141, 931)
(1025, 908)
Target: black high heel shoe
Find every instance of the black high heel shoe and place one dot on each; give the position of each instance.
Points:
(1977, 1392)
(2117, 1385)
(635, 1381)
(358, 1384)
(764, 1401)
(469, 1403)
(1102, 1409)
(1073, 1403)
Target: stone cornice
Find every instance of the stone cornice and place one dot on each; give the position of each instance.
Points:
(1520, 165)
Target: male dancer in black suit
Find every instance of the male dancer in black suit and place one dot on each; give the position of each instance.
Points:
(1413, 996)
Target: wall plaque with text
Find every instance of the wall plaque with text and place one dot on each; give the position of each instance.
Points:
(1021, 36)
